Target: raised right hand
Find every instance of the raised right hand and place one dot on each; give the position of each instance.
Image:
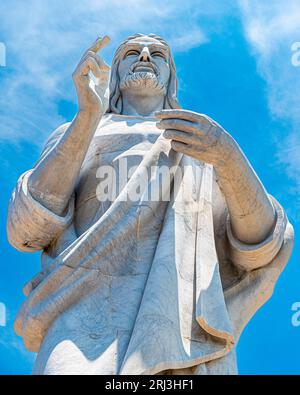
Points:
(91, 96)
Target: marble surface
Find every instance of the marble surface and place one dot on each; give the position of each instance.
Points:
(159, 242)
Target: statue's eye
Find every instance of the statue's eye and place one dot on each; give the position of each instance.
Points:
(158, 54)
(132, 52)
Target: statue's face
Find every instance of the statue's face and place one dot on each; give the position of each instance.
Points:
(144, 67)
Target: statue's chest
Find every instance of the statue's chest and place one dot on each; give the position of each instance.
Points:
(110, 161)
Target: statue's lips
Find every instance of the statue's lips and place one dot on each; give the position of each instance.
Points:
(145, 69)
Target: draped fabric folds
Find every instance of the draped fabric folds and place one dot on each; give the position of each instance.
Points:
(186, 313)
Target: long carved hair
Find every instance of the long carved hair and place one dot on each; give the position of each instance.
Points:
(115, 95)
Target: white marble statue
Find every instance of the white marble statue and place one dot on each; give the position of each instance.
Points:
(142, 285)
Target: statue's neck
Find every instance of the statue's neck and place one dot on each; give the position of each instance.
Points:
(142, 105)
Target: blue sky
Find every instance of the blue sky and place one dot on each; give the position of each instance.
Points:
(234, 64)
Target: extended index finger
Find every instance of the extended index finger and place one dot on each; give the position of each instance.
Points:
(100, 43)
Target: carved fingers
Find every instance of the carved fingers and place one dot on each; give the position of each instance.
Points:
(89, 97)
(194, 134)
(99, 44)
(90, 61)
(185, 120)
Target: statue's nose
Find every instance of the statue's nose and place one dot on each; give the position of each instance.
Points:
(145, 55)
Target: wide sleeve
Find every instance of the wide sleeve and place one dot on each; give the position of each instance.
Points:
(253, 256)
(30, 225)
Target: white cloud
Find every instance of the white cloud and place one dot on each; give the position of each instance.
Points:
(10, 343)
(45, 39)
(267, 26)
(271, 29)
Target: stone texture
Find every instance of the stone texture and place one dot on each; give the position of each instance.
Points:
(143, 286)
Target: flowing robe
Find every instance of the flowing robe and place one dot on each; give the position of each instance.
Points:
(142, 286)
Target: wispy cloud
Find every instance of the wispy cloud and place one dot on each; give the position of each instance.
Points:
(271, 30)
(45, 39)
(11, 344)
(14, 344)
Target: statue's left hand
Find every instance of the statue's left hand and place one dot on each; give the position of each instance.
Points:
(196, 135)
(252, 215)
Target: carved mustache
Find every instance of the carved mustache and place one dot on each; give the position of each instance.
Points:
(144, 64)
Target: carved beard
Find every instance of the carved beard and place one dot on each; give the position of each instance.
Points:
(143, 80)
